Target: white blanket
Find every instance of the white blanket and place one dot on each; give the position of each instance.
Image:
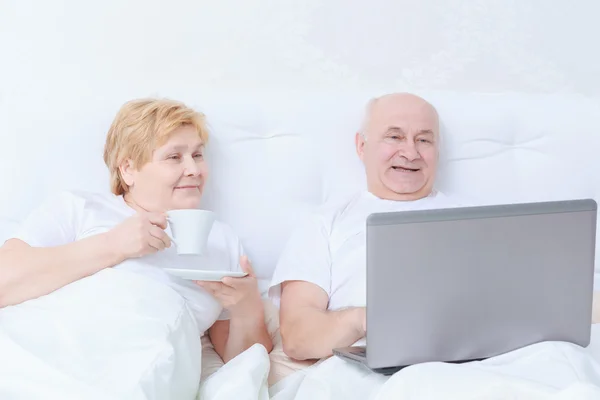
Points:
(543, 371)
(114, 335)
(117, 335)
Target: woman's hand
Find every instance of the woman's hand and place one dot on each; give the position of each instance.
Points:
(140, 235)
(246, 326)
(238, 295)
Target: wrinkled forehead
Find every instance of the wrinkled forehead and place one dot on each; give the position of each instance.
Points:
(411, 119)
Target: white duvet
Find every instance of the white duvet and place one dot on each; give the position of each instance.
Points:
(114, 335)
(117, 335)
(549, 371)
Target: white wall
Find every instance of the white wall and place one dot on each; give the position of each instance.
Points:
(67, 65)
(78, 49)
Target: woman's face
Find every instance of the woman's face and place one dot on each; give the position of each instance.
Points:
(173, 178)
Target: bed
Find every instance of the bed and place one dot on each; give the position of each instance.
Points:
(286, 154)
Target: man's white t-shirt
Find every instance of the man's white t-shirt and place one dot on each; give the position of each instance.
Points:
(70, 216)
(329, 249)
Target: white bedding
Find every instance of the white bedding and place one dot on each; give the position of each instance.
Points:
(543, 371)
(104, 337)
(114, 335)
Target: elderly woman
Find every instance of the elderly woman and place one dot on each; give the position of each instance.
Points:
(154, 154)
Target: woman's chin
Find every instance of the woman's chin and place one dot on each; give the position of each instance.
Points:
(186, 199)
(183, 204)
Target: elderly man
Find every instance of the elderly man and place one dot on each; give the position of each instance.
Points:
(320, 279)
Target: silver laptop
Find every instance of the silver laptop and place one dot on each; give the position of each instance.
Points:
(464, 284)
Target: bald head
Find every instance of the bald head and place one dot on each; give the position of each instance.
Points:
(406, 104)
(398, 144)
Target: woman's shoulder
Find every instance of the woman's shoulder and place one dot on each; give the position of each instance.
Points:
(61, 200)
(70, 196)
(82, 203)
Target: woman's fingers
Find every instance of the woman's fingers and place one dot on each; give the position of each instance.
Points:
(216, 288)
(246, 266)
(158, 233)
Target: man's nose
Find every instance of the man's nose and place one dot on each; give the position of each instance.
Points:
(409, 151)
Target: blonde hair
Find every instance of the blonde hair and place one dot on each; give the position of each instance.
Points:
(141, 126)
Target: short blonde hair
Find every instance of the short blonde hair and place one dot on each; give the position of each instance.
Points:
(141, 126)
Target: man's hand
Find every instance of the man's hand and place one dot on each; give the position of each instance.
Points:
(363, 318)
(238, 295)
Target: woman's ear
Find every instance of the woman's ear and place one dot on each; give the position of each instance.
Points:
(127, 171)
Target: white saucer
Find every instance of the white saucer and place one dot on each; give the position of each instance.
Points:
(197, 275)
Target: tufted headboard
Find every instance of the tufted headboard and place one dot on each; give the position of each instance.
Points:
(275, 157)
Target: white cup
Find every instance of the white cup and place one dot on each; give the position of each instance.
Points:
(190, 229)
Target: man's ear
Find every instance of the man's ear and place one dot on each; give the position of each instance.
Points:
(127, 171)
(359, 140)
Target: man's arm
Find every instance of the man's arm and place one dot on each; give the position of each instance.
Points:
(308, 330)
(596, 308)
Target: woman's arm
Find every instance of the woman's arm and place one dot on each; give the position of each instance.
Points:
(241, 297)
(29, 272)
(236, 335)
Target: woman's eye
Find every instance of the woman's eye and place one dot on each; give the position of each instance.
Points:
(198, 155)
(173, 157)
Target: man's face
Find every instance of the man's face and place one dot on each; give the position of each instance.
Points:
(400, 152)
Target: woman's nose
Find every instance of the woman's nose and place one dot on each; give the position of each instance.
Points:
(191, 167)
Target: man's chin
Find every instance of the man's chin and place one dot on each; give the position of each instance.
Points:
(408, 187)
(410, 192)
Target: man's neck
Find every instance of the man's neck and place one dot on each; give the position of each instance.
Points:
(393, 196)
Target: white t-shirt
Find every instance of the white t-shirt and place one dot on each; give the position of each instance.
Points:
(329, 249)
(70, 216)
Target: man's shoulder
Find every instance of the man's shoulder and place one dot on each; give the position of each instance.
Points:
(330, 211)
